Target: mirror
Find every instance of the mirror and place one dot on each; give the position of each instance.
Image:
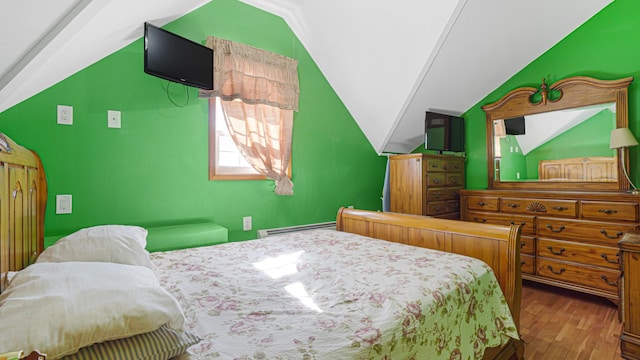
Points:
(558, 138)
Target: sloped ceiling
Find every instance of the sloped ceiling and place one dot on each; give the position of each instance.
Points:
(389, 62)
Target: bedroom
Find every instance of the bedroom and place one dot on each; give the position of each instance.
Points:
(114, 175)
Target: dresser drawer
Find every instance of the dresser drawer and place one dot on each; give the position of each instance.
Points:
(599, 278)
(583, 231)
(581, 253)
(484, 203)
(564, 208)
(435, 165)
(527, 245)
(454, 165)
(454, 179)
(528, 264)
(436, 179)
(437, 208)
(453, 193)
(610, 211)
(437, 194)
(526, 222)
(453, 206)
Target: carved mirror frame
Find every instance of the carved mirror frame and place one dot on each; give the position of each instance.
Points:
(574, 92)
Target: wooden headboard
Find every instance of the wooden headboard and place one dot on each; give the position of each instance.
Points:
(593, 169)
(23, 198)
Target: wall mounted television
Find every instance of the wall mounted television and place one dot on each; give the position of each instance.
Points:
(515, 126)
(444, 132)
(174, 58)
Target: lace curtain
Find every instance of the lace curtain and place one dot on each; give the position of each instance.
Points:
(259, 93)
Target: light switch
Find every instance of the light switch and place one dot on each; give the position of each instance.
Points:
(63, 204)
(65, 115)
(113, 119)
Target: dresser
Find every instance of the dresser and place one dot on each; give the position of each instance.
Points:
(569, 239)
(425, 184)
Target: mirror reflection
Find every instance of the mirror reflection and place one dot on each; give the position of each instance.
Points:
(563, 145)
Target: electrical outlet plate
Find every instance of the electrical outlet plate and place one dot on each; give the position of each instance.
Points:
(63, 204)
(246, 223)
(113, 119)
(65, 115)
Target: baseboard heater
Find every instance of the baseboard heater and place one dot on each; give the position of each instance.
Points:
(284, 230)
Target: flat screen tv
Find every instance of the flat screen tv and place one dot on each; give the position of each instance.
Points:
(515, 126)
(444, 132)
(174, 58)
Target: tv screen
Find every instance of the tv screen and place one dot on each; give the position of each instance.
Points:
(515, 126)
(444, 132)
(174, 58)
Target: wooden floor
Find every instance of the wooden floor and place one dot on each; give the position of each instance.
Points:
(558, 324)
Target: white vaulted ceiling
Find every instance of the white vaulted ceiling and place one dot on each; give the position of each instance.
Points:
(388, 61)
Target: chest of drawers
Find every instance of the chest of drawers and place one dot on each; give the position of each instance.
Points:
(425, 184)
(569, 239)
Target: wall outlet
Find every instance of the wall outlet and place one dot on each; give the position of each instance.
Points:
(65, 115)
(113, 119)
(246, 223)
(63, 204)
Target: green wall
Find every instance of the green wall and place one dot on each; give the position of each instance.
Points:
(154, 170)
(605, 47)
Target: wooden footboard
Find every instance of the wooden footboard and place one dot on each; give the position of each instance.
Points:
(498, 246)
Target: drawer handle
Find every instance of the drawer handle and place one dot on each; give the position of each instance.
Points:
(437, 195)
(513, 205)
(482, 203)
(617, 236)
(556, 252)
(616, 261)
(522, 244)
(435, 166)
(604, 277)
(522, 262)
(556, 272)
(555, 231)
(454, 180)
(436, 181)
(608, 211)
(438, 208)
(560, 208)
(484, 220)
(522, 223)
(454, 206)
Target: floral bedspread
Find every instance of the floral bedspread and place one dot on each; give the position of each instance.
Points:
(324, 294)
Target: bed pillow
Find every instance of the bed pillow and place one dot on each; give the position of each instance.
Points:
(58, 308)
(162, 344)
(121, 244)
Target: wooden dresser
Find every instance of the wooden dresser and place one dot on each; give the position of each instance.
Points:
(569, 239)
(425, 184)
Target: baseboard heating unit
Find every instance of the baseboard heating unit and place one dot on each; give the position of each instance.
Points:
(283, 230)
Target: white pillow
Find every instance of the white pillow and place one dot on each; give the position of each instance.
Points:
(58, 308)
(123, 244)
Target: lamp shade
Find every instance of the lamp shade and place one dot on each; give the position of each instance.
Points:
(622, 137)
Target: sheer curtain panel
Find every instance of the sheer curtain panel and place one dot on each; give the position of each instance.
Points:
(259, 93)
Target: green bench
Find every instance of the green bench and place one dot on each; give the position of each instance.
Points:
(172, 237)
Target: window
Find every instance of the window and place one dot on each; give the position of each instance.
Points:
(225, 160)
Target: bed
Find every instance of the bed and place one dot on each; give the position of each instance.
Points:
(387, 299)
(594, 168)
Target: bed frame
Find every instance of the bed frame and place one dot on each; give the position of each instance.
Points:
(23, 197)
(498, 246)
(23, 194)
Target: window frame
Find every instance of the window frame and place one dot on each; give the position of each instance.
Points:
(213, 175)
